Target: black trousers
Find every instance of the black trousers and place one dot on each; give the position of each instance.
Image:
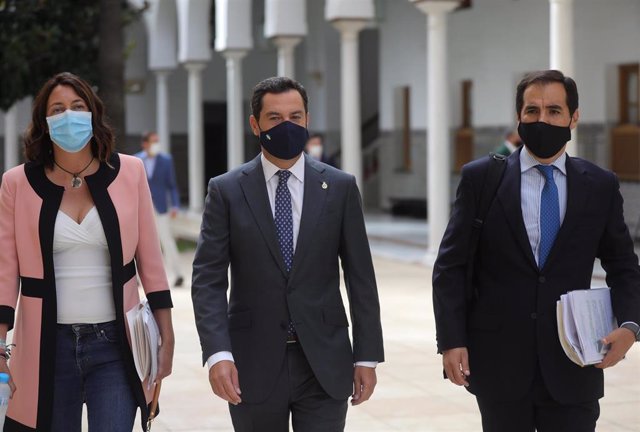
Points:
(538, 411)
(297, 393)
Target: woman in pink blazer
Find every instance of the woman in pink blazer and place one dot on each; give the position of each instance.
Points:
(76, 228)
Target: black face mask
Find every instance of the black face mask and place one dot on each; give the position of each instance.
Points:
(542, 139)
(284, 141)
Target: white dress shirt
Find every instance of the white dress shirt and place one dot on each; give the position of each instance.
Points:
(296, 188)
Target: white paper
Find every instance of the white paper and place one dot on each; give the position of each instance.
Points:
(584, 318)
(145, 341)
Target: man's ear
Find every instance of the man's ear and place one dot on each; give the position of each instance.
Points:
(574, 118)
(254, 125)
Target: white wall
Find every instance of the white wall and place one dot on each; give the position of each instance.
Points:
(494, 43)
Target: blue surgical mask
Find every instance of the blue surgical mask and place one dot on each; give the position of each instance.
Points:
(284, 141)
(70, 130)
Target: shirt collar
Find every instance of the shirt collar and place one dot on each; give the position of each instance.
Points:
(270, 169)
(527, 161)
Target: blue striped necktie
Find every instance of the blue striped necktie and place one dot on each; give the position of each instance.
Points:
(549, 214)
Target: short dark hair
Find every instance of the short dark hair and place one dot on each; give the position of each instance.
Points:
(38, 146)
(146, 136)
(275, 85)
(547, 77)
(316, 135)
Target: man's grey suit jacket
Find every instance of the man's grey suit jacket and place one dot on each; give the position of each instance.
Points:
(238, 230)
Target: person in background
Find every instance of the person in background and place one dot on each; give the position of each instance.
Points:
(512, 142)
(552, 216)
(166, 199)
(278, 346)
(76, 221)
(315, 148)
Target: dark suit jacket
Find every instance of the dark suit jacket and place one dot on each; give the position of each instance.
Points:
(512, 325)
(163, 183)
(238, 230)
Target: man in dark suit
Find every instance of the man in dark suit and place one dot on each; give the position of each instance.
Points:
(551, 217)
(282, 223)
(166, 198)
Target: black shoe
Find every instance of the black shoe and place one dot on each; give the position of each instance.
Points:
(179, 281)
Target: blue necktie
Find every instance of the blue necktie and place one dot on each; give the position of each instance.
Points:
(549, 213)
(284, 229)
(284, 218)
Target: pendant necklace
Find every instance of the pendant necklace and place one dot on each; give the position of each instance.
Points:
(76, 181)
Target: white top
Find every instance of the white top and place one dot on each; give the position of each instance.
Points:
(531, 190)
(82, 267)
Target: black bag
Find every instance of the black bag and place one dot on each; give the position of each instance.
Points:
(489, 189)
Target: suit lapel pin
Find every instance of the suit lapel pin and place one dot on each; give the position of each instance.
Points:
(324, 185)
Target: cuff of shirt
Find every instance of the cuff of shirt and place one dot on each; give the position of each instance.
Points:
(218, 357)
(369, 364)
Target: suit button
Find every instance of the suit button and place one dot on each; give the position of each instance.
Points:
(283, 325)
(534, 315)
(542, 279)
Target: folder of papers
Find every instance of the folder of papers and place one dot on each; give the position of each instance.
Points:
(584, 318)
(145, 341)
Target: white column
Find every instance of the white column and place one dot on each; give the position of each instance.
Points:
(561, 48)
(196, 137)
(438, 145)
(162, 109)
(286, 49)
(351, 135)
(11, 138)
(235, 117)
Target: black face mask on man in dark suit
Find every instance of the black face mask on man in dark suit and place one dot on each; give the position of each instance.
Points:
(543, 139)
(284, 141)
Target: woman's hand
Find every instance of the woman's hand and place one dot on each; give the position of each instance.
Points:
(165, 359)
(4, 368)
(165, 353)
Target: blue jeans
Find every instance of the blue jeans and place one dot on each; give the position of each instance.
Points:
(90, 369)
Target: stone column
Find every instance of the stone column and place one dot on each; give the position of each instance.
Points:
(196, 136)
(162, 109)
(285, 24)
(438, 143)
(286, 49)
(11, 137)
(233, 42)
(235, 117)
(351, 132)
(561, 48)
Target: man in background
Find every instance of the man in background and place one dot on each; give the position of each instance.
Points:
(166, 199)
(512, 142)
(315, 148)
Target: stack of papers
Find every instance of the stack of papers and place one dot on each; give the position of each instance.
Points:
(584, 318)
(145, 341)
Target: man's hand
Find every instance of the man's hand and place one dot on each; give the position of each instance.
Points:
(364, 382)
(223, 377)
(621, 340)
(456, 365)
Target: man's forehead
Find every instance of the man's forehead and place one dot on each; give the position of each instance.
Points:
(289, 100)
(545, 94)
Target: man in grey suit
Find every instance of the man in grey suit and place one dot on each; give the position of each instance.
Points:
(283, 222)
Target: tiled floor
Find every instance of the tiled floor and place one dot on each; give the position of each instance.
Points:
(411, 394)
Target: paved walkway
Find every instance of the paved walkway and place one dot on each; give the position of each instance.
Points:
(411, 395)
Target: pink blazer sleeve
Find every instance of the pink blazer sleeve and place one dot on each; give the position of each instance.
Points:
(148, 253)
(9, 270)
